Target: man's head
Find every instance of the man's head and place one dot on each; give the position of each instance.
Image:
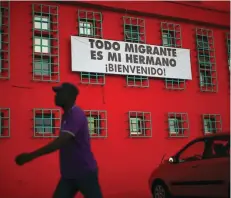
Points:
(66, 94)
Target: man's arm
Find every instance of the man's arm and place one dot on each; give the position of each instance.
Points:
(56, 144)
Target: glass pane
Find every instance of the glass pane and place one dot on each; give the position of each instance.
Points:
(47, 122)
(86, 28)
(37, 41)
(193, 152)
(134, 124)
(37, 25)
(45, 42)
(45, 26)
(91, 124)
(45, 49)
(37, 48)
(38, 121)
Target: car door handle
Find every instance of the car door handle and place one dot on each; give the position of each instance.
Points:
(195, 166)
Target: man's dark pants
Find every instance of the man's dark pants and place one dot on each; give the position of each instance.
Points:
(88, 185)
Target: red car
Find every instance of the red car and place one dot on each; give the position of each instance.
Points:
(199, 169)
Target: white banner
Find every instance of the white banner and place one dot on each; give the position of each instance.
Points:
(125, 58)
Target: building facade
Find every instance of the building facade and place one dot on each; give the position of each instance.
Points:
(133, 120)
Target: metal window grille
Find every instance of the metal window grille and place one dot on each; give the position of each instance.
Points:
(92, 78)
(212, 123)
(140, 124)
(134, 31)
(4, 40)
(171, 37)
(178, 124)
(97, 123)
(228, 48)
(4, 122)
(206, 60)
(90, 25)
(47, 123)
(45, 43)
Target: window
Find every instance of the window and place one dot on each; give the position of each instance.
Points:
(90, 25)
(221, 147)
(140, 124)
(86, 28)
(41, 22)
(206, 60)
(171, 37)
(97, 123)
(4, 40)
(137, 81)
(4, 122)
(202, 42)
(178, 124)
(213, 147)
(92, 78)
(136, 126)
(45, 43)
(42, 67)
(212, 123)
(193, 152)
(46, 122)
(134, 31)
(41, 45)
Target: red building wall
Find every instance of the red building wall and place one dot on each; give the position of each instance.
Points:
(125, 163)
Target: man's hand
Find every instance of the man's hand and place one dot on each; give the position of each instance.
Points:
(23, 158)
(56, 144)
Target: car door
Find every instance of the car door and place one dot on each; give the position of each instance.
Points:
(186, 177)
(215, 170)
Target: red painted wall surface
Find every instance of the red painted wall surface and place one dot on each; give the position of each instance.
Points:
(125, 164)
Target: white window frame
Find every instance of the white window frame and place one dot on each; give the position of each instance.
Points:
(86, 28)
(135, 130)
(38, 48)
(172, 122)
(91, 125)
(41, 22)
(208, 123)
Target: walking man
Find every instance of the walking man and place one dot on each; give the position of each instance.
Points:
(78, 167)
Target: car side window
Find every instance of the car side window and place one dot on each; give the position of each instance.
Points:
(221, 147)
(193, 152)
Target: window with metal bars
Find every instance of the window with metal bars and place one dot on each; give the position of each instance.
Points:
(228, 48)
(178, 124)
(47, 122)
(212, 123)
(90, 25)
(45, 43)
(4, 122)
(206, 60)
(4, 39)
(140, 124)
(171, 37)
(134, 31)
(97, 123)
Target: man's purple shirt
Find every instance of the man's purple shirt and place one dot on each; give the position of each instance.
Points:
(76, 158)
